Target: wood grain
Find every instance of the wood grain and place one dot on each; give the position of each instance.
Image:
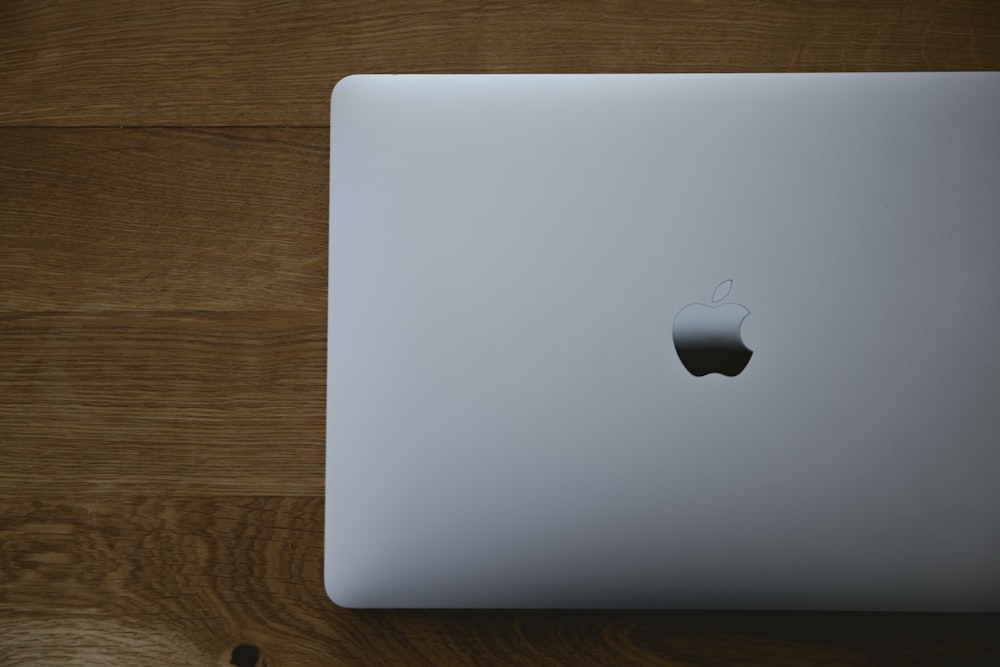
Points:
(162, 310)
(163, 219)
(185, 580)
(162, 402)
(237, 62)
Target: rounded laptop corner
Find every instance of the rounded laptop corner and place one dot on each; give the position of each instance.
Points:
(344, 596)
(345, 85)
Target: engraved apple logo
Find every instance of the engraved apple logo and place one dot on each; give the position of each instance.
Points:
(707, 338)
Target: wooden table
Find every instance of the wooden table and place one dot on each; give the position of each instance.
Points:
(163, 186)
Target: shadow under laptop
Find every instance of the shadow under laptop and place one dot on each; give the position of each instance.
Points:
(700, 637)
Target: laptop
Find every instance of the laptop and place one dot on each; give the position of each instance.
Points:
(725, 341)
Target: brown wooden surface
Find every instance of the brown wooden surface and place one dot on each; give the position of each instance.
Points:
(250, 62)
(162, 321)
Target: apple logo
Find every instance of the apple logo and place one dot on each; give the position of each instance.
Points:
(707, 338)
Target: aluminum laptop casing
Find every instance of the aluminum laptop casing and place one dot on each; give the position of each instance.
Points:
(508, 421)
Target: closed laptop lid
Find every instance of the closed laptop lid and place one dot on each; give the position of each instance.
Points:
(680, 341)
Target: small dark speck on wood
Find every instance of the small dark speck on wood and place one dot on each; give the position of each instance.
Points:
(245, 655)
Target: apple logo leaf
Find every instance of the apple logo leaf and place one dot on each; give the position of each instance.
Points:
(722, 291)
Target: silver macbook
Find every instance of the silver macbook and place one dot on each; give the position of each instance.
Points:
(665, 341)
